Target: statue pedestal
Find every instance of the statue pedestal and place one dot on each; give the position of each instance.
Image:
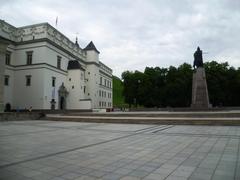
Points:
(199, 89)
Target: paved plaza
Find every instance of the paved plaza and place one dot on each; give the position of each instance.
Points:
(41, 150)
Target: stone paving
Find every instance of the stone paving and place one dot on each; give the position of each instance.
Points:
(42, 150)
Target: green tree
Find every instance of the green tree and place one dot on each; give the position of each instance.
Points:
(161, 87)
(178, 86)
(118, 98)
(223, 84)
(128, 83)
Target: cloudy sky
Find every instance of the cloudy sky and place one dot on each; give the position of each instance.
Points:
(133, 34)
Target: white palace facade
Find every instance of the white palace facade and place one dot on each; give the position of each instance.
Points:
(43, 69)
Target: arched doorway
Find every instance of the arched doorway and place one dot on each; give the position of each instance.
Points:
(62, 95)
(62, 103)
(8, 107)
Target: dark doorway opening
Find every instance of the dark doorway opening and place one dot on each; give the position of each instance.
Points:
(62, 103)
(8, 107)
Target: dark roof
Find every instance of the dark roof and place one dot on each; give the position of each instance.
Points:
(91, 46)
(73, 64)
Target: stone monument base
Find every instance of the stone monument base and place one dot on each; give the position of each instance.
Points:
(199, 90)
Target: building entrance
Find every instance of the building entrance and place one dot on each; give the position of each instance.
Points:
(62, 94)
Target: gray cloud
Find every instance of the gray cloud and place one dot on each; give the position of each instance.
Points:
(135, 34)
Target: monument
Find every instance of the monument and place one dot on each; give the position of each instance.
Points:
(199, 85)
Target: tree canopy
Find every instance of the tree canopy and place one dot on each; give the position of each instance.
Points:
(162, 87)
(118, 99)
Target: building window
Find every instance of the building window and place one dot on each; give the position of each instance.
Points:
(29, 57)
(84, 89)
(99, 93)
(100, 103)
(59, 59)
(105, 82)
(100, 80)
(6, 80)
(8, 58)
(110, 84)
(53, 81)
(28, 80)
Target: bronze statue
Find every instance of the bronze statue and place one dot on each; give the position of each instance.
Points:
(198, 60)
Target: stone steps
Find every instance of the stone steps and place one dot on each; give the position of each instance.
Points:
(150, 118)
(212, 114)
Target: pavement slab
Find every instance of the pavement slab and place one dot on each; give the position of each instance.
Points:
(76, 150)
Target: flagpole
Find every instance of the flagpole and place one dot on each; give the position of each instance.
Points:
(56, 22)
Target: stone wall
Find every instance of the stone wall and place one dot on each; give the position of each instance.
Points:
(14, 116)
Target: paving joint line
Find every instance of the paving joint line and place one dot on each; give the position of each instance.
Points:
(187, 157)
(66, 151)
(148, 128)
(105, 130)
(220, 159)
(199, 135)
(31, 132)
(151, 128)
(168, 127)
(237, 162)
(53, 127)
(217, 139)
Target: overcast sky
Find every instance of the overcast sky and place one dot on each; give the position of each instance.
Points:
(133, 34)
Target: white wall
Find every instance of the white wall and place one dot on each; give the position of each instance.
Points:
(75, 85)
(92, 74)
(92, 56)
(43, 52)
(39, 94)
(49, 90)
(43, 90)
(8, 90)
(51, 54)
(26, 96)
(20, 56)
(106, 92)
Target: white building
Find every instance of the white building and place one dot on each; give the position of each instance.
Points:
(44, 70)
